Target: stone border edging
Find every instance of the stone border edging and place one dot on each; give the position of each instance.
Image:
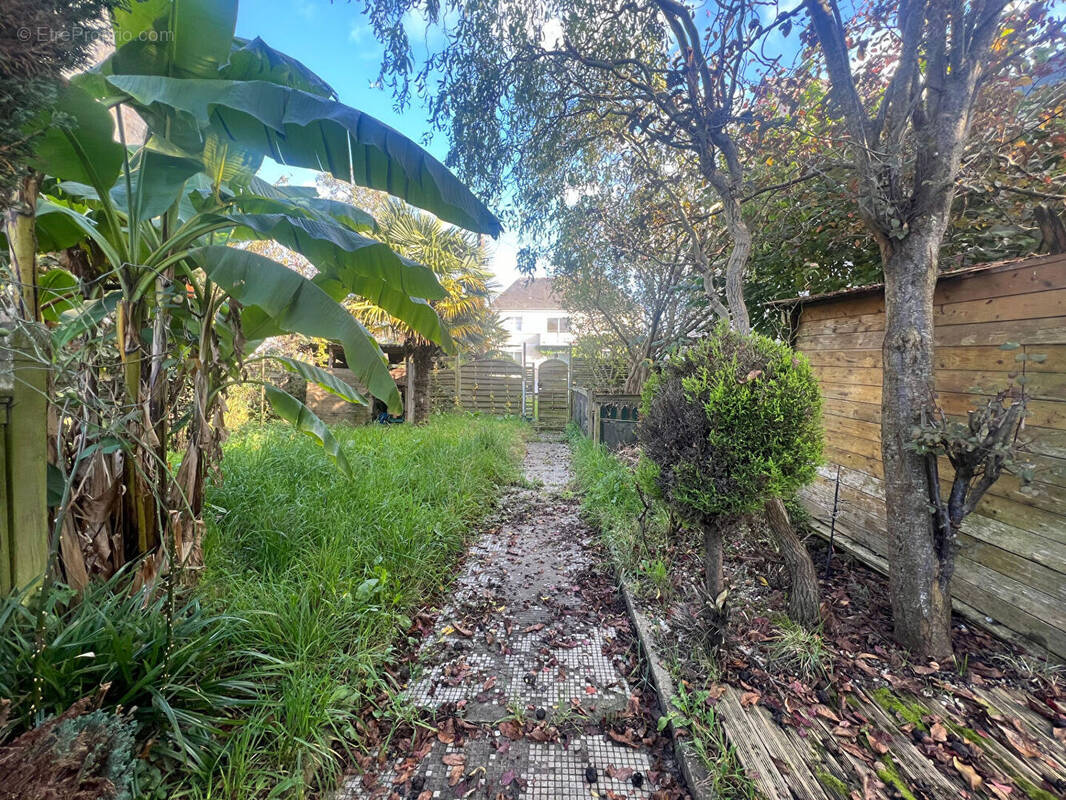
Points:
(696, 775)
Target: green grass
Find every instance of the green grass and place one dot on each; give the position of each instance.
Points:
(326, 570)
(254, 683)
(611, 501)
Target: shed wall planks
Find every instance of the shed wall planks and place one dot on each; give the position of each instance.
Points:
(1012, 558)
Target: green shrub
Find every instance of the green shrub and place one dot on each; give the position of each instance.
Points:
(169, 665)
(730, 423)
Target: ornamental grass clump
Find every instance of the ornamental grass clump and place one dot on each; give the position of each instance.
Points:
(730, 423)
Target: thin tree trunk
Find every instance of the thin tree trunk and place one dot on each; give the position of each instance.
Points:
(919, 565)
(717, 611)
(422, 360)
(803, 601)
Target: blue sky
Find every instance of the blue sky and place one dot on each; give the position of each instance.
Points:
(333, 40)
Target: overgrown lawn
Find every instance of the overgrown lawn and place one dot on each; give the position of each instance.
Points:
(323, 572)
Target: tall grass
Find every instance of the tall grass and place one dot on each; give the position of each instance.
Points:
(276, 662)
(611, 501)
(324, 572)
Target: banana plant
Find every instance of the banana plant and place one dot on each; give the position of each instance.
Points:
(154, 236)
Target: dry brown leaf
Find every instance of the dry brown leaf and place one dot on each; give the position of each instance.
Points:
(968, 772)
(1020, 744)
(938, 732)
(825, 712)
(453, 759)
(510, 729)
(1000, 790)
(748, 699)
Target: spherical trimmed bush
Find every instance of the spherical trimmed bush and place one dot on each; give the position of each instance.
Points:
(731, 422)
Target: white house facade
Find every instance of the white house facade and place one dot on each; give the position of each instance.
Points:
(534, 319)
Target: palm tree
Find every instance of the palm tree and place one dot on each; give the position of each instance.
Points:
(460, 264)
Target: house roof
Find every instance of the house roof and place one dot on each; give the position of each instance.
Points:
(995, 266)
(526, 294)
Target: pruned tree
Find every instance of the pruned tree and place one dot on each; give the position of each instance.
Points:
(907, 142)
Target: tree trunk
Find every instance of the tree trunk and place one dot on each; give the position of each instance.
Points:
(803, 601)
(22, 245)
(422, 360)
(638, 374)
(919, 564)
(716, 611)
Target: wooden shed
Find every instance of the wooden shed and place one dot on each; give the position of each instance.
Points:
(1011, 568)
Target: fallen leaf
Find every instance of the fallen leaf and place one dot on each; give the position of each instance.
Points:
(938, 732)
(877, 741)
(619, 773)
(454, 759)
(1000, 790)
(748, 699)
(460, 629)
(1019, 744)
(968, 772)
(510, 729)
(455, 774)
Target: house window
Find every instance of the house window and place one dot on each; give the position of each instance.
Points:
(514, 323)
(558, 324)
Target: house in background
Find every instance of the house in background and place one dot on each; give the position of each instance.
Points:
(533, 317)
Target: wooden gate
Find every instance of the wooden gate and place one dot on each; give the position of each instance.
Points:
(553, 394)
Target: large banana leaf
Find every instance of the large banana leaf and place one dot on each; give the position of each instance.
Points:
(77, 142)
(255, 60)
(305, 130)
(352, 264)
(190, 38)
(292, 410)
(164, 178)
(295, 305)
(326, 380)
(333, 245)
(320, 208)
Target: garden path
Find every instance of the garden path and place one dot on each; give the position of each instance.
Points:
(530, 671)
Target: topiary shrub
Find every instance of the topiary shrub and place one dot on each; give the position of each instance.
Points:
(731, 423)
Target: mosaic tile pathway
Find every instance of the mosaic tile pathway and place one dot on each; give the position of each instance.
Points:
(527, 672)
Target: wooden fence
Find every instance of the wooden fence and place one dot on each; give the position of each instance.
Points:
(606, 417)
(1012, 560)
(488, 386)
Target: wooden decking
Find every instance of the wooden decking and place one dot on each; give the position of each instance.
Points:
(880, 744)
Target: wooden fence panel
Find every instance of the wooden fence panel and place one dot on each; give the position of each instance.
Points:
(1012, 558)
